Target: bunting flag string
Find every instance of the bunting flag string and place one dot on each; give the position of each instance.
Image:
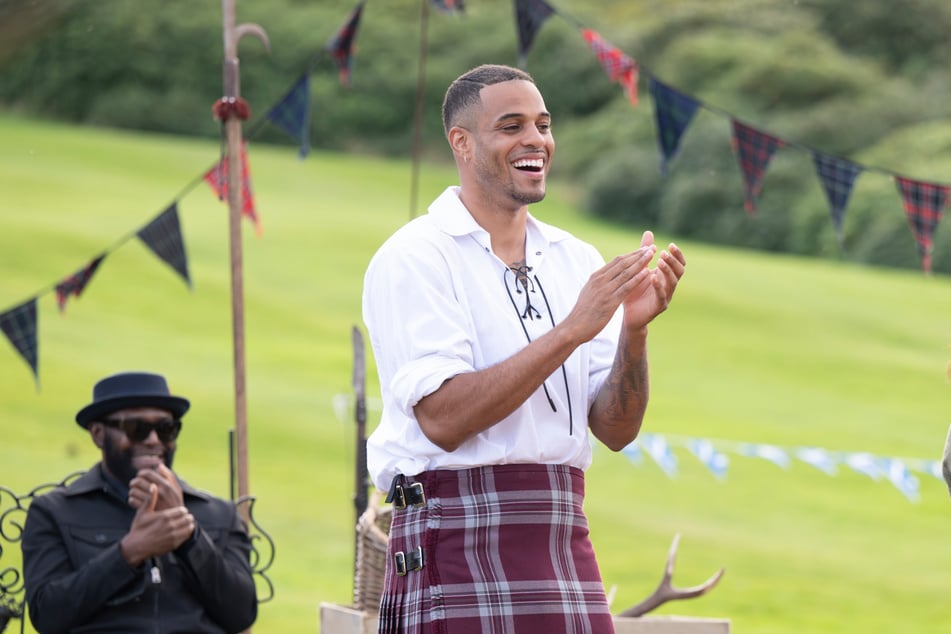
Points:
(924, 202)
(162, 235)
(714, 455)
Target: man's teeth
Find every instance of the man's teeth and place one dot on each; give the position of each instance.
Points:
(537, 163)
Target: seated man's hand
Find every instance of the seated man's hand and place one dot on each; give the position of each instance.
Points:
(169, 491)
(156, 532)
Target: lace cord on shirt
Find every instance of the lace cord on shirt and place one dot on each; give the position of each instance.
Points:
(523, 283)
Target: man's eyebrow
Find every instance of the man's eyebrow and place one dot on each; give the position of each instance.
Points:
(519, 115)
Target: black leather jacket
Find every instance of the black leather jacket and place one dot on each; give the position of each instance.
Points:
(77, 581)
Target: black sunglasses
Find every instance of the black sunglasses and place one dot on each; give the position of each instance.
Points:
(138, 429)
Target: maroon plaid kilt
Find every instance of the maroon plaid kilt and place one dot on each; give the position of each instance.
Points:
(505, 550)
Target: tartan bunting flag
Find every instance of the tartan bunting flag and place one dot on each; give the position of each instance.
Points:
(19, 325)
(618, 66)
(292, 113)
(754, 150)
(449, 6)
(924, 205)
(217, 179)
(838, 178)
(341, 44)
(674, 112)
(529, 17)
(164, 237)
(76, 283)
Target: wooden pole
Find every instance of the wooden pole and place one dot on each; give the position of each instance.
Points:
(232, 90)
(232, 130)
(418, 115)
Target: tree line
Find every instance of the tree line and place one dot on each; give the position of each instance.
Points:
(863, 81)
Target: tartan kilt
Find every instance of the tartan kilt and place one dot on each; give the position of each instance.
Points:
(505, 550)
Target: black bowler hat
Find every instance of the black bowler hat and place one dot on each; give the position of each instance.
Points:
(130, 389)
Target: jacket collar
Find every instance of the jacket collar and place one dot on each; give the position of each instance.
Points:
(95, 480)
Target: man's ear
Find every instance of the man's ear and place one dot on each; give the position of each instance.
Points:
(460, 142)
(97, 431)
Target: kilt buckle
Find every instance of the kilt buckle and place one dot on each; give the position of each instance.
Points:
(407, 563)
(402, 496)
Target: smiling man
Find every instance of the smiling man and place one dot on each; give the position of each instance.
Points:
(129, 546)
(501, 342)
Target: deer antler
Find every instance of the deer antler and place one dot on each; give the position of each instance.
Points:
(665, 590)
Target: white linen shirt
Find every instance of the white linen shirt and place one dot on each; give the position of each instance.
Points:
(438, 302)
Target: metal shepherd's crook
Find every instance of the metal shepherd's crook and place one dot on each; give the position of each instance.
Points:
(231, 114)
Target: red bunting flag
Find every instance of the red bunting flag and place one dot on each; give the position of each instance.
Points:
(616, 64)
(76, 283)
(924, 206)
(341, 44)
(217, 178)
(754, 149)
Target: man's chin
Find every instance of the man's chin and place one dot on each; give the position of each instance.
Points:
(530, 197)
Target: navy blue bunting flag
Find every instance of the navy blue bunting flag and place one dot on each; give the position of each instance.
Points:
(838, 178)
(341, 44)
(673, 112)
(924, 205)
(76, 283)
(754, 149)
(164, 237)
(529, 17)
(292, 113)
(19, 325)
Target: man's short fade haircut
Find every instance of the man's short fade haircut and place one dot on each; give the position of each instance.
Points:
(464, 91)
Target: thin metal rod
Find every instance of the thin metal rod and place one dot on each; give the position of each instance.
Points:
(418, 116)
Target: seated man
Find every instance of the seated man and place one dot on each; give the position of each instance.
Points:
(129, 546)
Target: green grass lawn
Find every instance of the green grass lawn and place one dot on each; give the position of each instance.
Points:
(756, 347)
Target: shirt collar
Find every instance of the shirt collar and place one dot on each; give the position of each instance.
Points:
(451, 217)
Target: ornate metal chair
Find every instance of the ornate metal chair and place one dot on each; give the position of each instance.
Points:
(13, 509)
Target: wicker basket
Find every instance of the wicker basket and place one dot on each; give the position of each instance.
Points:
(373, 529)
